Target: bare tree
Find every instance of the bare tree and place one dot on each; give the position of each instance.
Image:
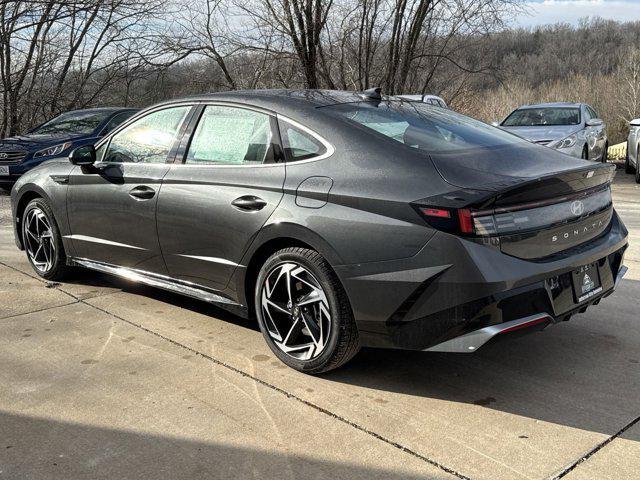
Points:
(628, 76)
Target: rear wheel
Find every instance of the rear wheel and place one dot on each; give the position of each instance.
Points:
(42, 241)
(304, 313)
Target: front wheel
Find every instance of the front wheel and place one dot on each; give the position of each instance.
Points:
(605, 153)
(304, 313)
(638, 165)
(585, 153)
(42, 241)
(627, 164)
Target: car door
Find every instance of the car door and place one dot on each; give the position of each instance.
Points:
(220, 193)
(112, 205)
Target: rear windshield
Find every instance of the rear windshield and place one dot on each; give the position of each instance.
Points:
(73, 123)
(424, 127)
(538, 117)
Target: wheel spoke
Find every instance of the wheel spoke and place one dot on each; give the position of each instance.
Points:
(299, 328)
(39, 240)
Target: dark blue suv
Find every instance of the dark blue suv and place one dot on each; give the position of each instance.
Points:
(55, 138)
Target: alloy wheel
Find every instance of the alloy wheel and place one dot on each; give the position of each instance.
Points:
(39, 241)
(295, 311)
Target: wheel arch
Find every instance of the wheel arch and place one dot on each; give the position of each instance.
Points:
(271, 239)
(26, 195)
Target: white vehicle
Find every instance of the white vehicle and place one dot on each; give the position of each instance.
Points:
(430, 99)
(633, 149)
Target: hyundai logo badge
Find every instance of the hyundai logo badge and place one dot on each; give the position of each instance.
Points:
(577, 208)
(3, 155)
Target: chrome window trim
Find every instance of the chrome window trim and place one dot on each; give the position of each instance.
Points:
(139, 115)
(330, 150)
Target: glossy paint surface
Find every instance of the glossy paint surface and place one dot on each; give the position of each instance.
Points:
(208, 227)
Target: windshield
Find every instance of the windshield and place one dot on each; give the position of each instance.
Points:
(72, 123)
(425, 127)
(538, 117)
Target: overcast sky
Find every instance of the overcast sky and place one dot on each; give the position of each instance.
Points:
(570, 11)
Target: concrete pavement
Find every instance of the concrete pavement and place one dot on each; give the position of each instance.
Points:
(102, 378)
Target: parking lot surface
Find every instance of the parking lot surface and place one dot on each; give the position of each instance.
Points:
(106, 379)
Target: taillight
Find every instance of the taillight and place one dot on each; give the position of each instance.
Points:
(466, 222)
(452, 220)
(435, 212)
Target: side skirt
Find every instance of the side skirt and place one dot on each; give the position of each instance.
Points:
(159, 281)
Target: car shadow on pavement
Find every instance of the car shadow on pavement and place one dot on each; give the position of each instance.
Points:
(86, 277)
(39, 448)
(584, 373)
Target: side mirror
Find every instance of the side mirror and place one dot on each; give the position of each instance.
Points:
(594, 122)
(635, 122)
(84, 155)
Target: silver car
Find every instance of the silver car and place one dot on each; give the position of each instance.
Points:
(633, 149)
(571, 128)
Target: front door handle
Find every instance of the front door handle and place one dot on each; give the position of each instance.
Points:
(142, 192)
(249, 203)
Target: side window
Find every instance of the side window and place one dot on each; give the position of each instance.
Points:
(115, 121)
(587, 114)
(592, 112)
(149, 139)
(230, 135)
(298, 144)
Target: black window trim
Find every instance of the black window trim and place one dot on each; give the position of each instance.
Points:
(180, 159)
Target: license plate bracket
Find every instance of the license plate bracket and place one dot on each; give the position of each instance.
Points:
(586, 282)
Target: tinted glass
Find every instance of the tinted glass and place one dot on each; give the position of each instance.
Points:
(592, 112)
(149, 139)
(115, 121)
(538, 117)
(229, 135)
(424, 127)
(72, 123)
(298, 144)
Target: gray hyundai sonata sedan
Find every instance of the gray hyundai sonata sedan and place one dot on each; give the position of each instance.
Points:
(336, 219)
(571, 128)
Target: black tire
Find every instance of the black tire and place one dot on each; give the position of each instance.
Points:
(605, 153)
(585, 153)
(628, 168)
(58, 268)
(638, 165)
(343, 341)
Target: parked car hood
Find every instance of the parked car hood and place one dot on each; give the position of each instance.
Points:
(544, 133)
(494, 168)
(33, 141)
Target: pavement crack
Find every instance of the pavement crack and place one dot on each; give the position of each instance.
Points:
(289, 395)
(275, 388)
(596, 449)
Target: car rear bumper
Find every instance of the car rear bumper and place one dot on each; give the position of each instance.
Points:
(454, 287)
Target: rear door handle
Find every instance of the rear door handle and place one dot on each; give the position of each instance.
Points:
(249, 203)
(142, 192)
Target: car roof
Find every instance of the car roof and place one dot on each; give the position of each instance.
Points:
(283, 100)
(551, 104)
(104, 110)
